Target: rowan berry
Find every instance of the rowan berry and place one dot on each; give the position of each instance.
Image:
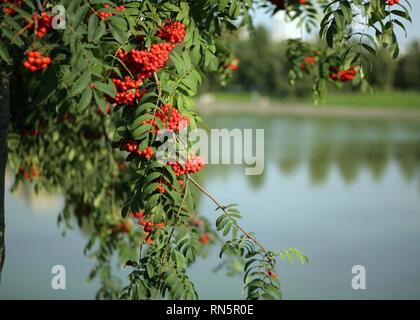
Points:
(27, 132)
(160, 188)
(308, 60)
(12, 5)
(150, 227)
(232, 65)
(272, 274)
(103, 15)
(35, 61)
(174, 32)
(42, 23)
(143, 63)
(137, 215)
(343, 75)
(122, 227)
(35, 133)
(34, 171)
(127, 91)
(171, 119)
(24, 173)
(204, 238)
(197, 223)
(281, 4)
(130, 146)
(191, 165)
(147, 153)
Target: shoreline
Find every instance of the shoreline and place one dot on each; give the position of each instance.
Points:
(267, 109)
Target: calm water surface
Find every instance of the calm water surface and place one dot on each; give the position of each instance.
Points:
(345, 192)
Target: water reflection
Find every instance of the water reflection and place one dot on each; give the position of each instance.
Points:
(322, 145)
(315, 191)
(345, 192)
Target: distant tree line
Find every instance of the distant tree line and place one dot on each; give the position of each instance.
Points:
(263, 68)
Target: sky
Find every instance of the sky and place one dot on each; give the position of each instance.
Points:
(261, 17)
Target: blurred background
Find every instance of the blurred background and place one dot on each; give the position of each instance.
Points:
(341, 183)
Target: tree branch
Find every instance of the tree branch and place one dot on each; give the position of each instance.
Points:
(168, 243)
(4, 126)
(159, 89)
(219, 205)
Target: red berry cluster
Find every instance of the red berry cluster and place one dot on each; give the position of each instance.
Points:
(281, 4)
(147, 153)
(42, 23)
(191, 165)
(308, 60)
(24, 173)
(35, 61)
(174, 32)
(137, 215)
(28, 174)
(127, 91)
(33, 133)
(126, 84)
(161, 188)
(272, 274)
(144, 63)
(204, 238)
(122, 227)
(128, 97)
(132, 146)
(148, 226)
(103, 15)
(233, 65)
(171, 119)
(392, 2)
(10, 9)
(163, 183)
(343, 75)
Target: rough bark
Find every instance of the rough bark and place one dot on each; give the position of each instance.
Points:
(4, 123)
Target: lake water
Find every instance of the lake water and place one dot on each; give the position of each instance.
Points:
(345, 192)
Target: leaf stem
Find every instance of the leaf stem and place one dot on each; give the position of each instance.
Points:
(219, 205)
(170, 238)
(159, 89)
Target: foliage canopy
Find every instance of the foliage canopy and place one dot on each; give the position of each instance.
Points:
(85, 121)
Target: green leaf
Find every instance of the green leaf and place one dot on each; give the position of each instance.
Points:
(81, 83)
(85, 99)
(107, 88)
(119, 34)
(92, 26)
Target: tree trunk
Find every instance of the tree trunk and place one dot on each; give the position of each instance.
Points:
(4, 124)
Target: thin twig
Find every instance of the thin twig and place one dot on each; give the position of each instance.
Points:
(219, 205)
(170, 236)
(39, 5)
(159, 89)
(140, 251)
